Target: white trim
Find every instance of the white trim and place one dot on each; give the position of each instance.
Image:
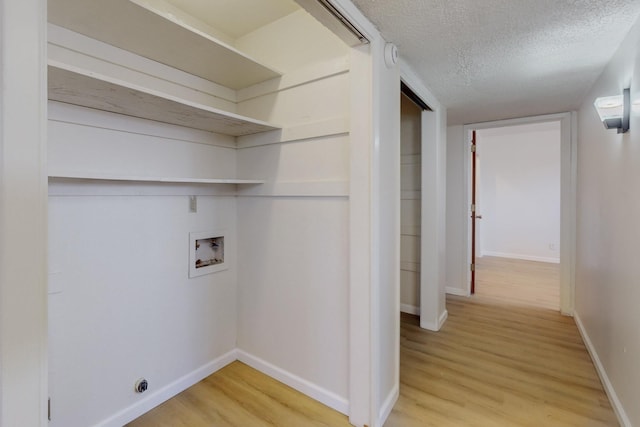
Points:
(388, 404)
(433, 193)
(317, 188)
(23, 214)
(311, 73)
(100, 119)
(568, 227)
(436, 324)
(365, 92)
(154, 399)
(319, 129)
(456, 291)
(522, 257)
(360, 224)
(312, 390)
(428, 325)
(443, 318)
(602, 373)
(157, 179)
(410, 309)
(81, 187)
(568, 199)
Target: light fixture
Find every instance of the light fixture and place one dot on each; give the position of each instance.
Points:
(614, 111)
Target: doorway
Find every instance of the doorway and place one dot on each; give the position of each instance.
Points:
(516, 214)
(411, 142)
(566, 247)
(410, 201)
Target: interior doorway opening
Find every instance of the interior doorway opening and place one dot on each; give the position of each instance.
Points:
(516, 213)
(410, 209)
(411, 141)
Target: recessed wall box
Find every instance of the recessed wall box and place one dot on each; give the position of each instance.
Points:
(206, 253)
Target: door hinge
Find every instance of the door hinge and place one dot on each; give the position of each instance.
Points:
(49, 409)
(473, 207)
(473, 267)
(473, 148)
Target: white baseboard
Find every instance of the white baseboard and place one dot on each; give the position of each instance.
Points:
(554, 260)
(157, 397)
(443, 318)
(387, 405)
(429, 326)
(456, 291)
(436, 324)
(312, 390)
(432, 326)
(411, 309)
(608, 387)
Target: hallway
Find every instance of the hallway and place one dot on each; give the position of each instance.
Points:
(498, 365)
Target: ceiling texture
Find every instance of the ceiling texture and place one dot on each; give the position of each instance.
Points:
(497, 59)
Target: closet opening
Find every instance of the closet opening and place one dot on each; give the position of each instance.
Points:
(412, 107)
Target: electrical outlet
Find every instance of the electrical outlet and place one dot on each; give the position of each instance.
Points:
(193, 204)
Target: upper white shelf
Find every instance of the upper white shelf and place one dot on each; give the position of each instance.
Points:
(161, 36)
(105, 177)
(88, 89)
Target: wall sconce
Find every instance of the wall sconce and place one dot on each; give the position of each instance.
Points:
(614, 111)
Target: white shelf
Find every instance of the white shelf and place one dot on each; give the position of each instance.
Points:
(75, 86)
(161, 36)
(103, 177)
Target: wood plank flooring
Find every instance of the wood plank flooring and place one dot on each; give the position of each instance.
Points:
(497, 365)
(491, 365)
(515, 281)
(240, 396)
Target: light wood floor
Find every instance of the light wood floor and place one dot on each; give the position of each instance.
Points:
(240, 396)
(515, 281)
(491, 365)
(497, 365)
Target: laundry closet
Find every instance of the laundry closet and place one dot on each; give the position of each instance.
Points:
(198, 201)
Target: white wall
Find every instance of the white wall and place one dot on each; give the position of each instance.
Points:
(23, 214)
(456, 268)
(410, 209)
(121, 304)
(608, 207)
(518, 192)
(293, 312)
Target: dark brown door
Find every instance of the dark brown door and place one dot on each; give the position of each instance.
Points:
(473, 212)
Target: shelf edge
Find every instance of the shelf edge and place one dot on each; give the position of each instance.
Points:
(97, 177)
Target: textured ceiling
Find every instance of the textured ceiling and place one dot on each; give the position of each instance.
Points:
(496, 59)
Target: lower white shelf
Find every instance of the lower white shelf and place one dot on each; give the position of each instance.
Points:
(131, 178)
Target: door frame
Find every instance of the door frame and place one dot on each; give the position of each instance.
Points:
(568, 162)
(474, 210)
(433, 310)
(23, 214)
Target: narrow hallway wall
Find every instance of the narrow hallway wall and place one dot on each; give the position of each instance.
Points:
(607, 234)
